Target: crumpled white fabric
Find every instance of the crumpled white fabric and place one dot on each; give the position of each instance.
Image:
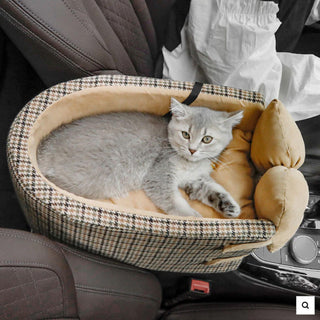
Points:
(300, 84)
(232, 43)
(314, 15)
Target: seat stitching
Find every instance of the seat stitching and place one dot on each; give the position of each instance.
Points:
(54, 51)
(17, 264)
(153, 44)
(25, 283)
(125, 3)
(54, 34)
(77, 253)
(125, 27)
(119, 16)
(113, 293)
(30, 239)
(73, 12)
(67, 43)
(130, 44)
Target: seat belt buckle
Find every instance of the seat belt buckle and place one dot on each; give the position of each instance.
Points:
(199, 287)
(190, 290)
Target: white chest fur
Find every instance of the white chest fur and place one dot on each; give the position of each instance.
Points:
(186, 171)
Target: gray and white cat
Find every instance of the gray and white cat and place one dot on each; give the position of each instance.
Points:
(108, 155)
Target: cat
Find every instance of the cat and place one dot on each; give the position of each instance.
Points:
(108, 155)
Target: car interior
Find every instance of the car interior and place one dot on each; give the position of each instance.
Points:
(44, 43)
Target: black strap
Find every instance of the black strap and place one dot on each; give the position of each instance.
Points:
(191, 97)
(194, 93)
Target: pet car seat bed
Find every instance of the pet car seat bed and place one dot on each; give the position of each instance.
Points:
(258, 168)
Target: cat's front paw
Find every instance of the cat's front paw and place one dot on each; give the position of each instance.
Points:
(224, 203)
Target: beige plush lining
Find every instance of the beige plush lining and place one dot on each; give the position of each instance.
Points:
(131, 98)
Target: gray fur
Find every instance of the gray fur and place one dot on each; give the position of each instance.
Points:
(108, 155)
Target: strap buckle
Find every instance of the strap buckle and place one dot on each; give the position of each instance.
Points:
(193, 289)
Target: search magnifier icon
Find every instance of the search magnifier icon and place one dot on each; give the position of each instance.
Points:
(305, 305)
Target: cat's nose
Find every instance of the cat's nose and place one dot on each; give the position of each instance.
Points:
(192, 151)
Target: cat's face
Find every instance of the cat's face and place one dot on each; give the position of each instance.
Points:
(198, 133)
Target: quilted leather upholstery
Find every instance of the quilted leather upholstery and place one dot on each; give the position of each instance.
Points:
(29, 293)
(125, 23)
(67, 39)
(41, 279)
(35, 279)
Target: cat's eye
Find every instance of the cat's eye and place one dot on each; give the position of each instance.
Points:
(185, 134)
(207, 139)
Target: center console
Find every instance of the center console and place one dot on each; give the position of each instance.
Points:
(296, 266)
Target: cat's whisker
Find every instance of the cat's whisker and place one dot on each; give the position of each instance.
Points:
(221, 157)
(225, 166)
(220, 163)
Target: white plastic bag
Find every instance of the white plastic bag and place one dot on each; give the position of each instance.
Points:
(314, 15)
(228, 42)
(232, 43)
(300, 84)
(179, 65)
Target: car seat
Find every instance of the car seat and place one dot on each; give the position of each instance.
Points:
(41, 279)
(67, 39)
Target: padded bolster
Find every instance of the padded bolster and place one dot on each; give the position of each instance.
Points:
(110, 290)
(277, 141)
(282, 196)
(35, 278)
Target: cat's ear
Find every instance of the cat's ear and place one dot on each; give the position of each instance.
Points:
(177, 109)
(234, 118)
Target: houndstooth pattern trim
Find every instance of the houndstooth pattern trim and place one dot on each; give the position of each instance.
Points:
(164, 244)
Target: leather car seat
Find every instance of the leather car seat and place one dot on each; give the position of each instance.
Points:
(41, 279)
(67, 39)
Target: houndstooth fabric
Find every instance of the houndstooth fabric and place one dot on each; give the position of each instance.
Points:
(163, 244)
